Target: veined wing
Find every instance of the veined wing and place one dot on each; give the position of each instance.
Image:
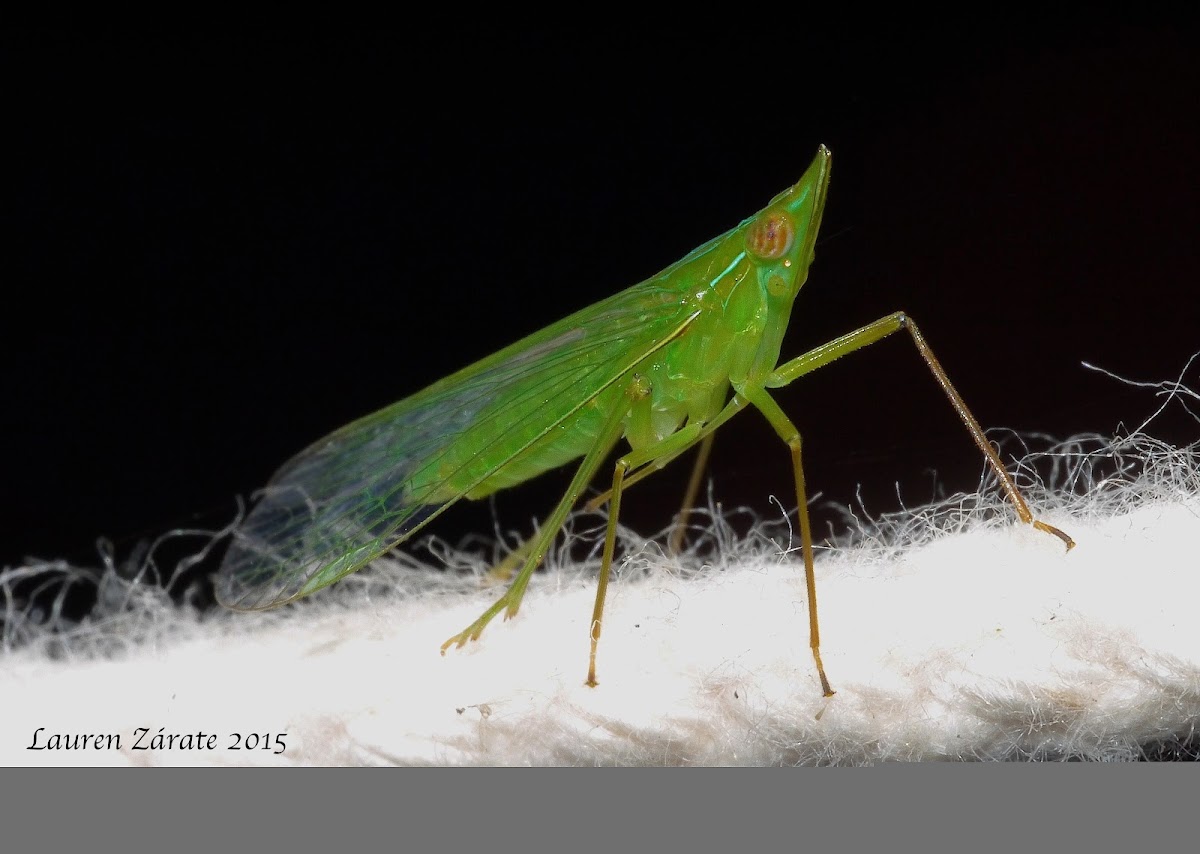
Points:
(358, 492)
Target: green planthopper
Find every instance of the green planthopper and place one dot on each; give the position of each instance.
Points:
(662, 364)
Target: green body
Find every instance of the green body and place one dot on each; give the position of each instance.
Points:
(663, 364)
(713, 321)
(705, 323)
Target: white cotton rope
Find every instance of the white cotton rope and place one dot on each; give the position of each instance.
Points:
(950, 632)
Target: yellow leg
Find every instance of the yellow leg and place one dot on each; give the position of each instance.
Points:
(885, 326)
(787, 431)
(689, 497)
(668, 448)
(511, 600)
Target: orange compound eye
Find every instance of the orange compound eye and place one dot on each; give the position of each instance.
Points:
(770, 236)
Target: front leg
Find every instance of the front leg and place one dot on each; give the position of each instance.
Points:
(764, 403)
(880, 329)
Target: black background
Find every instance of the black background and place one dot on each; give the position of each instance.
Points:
(215, 250)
